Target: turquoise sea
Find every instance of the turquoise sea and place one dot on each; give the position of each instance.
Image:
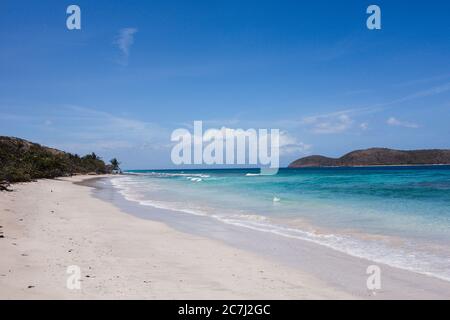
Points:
(398, 216)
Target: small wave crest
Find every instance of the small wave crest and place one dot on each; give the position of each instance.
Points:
(169, 174)
(378, 251)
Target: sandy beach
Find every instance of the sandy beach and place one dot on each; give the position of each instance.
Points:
(50, 225)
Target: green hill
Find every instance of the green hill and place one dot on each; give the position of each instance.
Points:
(377, 157)
(22, 160)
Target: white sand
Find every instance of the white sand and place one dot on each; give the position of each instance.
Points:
(51, 224)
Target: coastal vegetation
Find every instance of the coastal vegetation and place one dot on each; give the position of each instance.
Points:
(22, 160)
(115, 165)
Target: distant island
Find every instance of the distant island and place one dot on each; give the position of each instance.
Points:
(377, 157)
(22, 160)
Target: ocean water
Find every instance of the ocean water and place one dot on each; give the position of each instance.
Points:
(398, 216)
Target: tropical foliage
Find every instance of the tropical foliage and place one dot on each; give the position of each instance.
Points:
(21, 160)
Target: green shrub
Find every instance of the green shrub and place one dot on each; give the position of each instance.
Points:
(21, 160)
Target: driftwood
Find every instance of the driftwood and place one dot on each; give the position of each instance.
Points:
(4, 186)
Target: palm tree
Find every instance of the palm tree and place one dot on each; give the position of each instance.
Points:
(94, 156)
(115, 164)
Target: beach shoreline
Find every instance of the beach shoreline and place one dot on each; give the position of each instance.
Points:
(50, 225)
(127, 251)
(339, 270)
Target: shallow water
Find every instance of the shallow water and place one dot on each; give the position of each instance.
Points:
(399, 216)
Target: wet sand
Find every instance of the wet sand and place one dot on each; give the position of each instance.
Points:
(128, 251)
(337, 270)
(50, 225)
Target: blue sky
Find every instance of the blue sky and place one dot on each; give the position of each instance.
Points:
(138, 70)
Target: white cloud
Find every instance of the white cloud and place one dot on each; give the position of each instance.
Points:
(340, 121)
(290, 144)
(364, 126)
(124, 41)
(330, 123)
(392, 121)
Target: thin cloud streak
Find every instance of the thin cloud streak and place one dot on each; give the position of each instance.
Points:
(341, 121)
(124, 41)
(392, 121)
